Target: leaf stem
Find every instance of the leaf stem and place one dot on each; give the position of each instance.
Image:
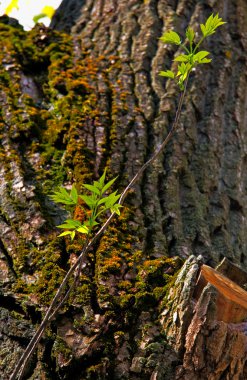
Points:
(199, 43)
(185, 48)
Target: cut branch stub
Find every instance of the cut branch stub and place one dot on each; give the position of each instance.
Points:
(231, 302)
(214, 335)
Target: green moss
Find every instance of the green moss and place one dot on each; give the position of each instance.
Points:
(144, 300)
(82, 294)
(48, 282)
(60, 348)
(21, 261)
(16, 315)
(53, 173)
(166, 290)
(125, 301)
(95, 372)
(158, 271)
(48, 272)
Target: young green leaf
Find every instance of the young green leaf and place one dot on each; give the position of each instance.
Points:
(70, 224)
(62, 196)
(205, 60)
(108, 185)
(198, 57)
(182, 58)
(89, 200)
(71, 233)
(83, 230)
(102, 179)
(203, 29)
(167, 73)
(65, 233)
(181, 84)
(190, 34)
(183, 72)
(97, 184)
(116, 208)
(109, 200)
(184, 69)
(73, 222)
(112, 199)
(13, 4)
(171, 37)
(92, 188)
(74, 194)
(212, 23)
(102, 201)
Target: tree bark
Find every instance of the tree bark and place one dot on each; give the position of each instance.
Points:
(85, 95)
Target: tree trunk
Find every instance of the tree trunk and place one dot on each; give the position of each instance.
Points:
(86, 95)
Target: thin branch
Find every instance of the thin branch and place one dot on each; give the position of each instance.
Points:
(55, 304)
(64, 299)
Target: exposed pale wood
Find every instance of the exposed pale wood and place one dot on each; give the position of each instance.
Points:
(232, 299)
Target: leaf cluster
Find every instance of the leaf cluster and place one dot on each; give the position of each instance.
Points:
(192, 56)
(97, 201)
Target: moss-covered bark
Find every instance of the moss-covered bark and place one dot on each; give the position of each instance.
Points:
(75, 102)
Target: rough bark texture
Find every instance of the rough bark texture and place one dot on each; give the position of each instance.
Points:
(86, 95)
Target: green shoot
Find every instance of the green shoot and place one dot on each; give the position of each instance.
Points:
(193, 56)
(212, 23)
(96, 202)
